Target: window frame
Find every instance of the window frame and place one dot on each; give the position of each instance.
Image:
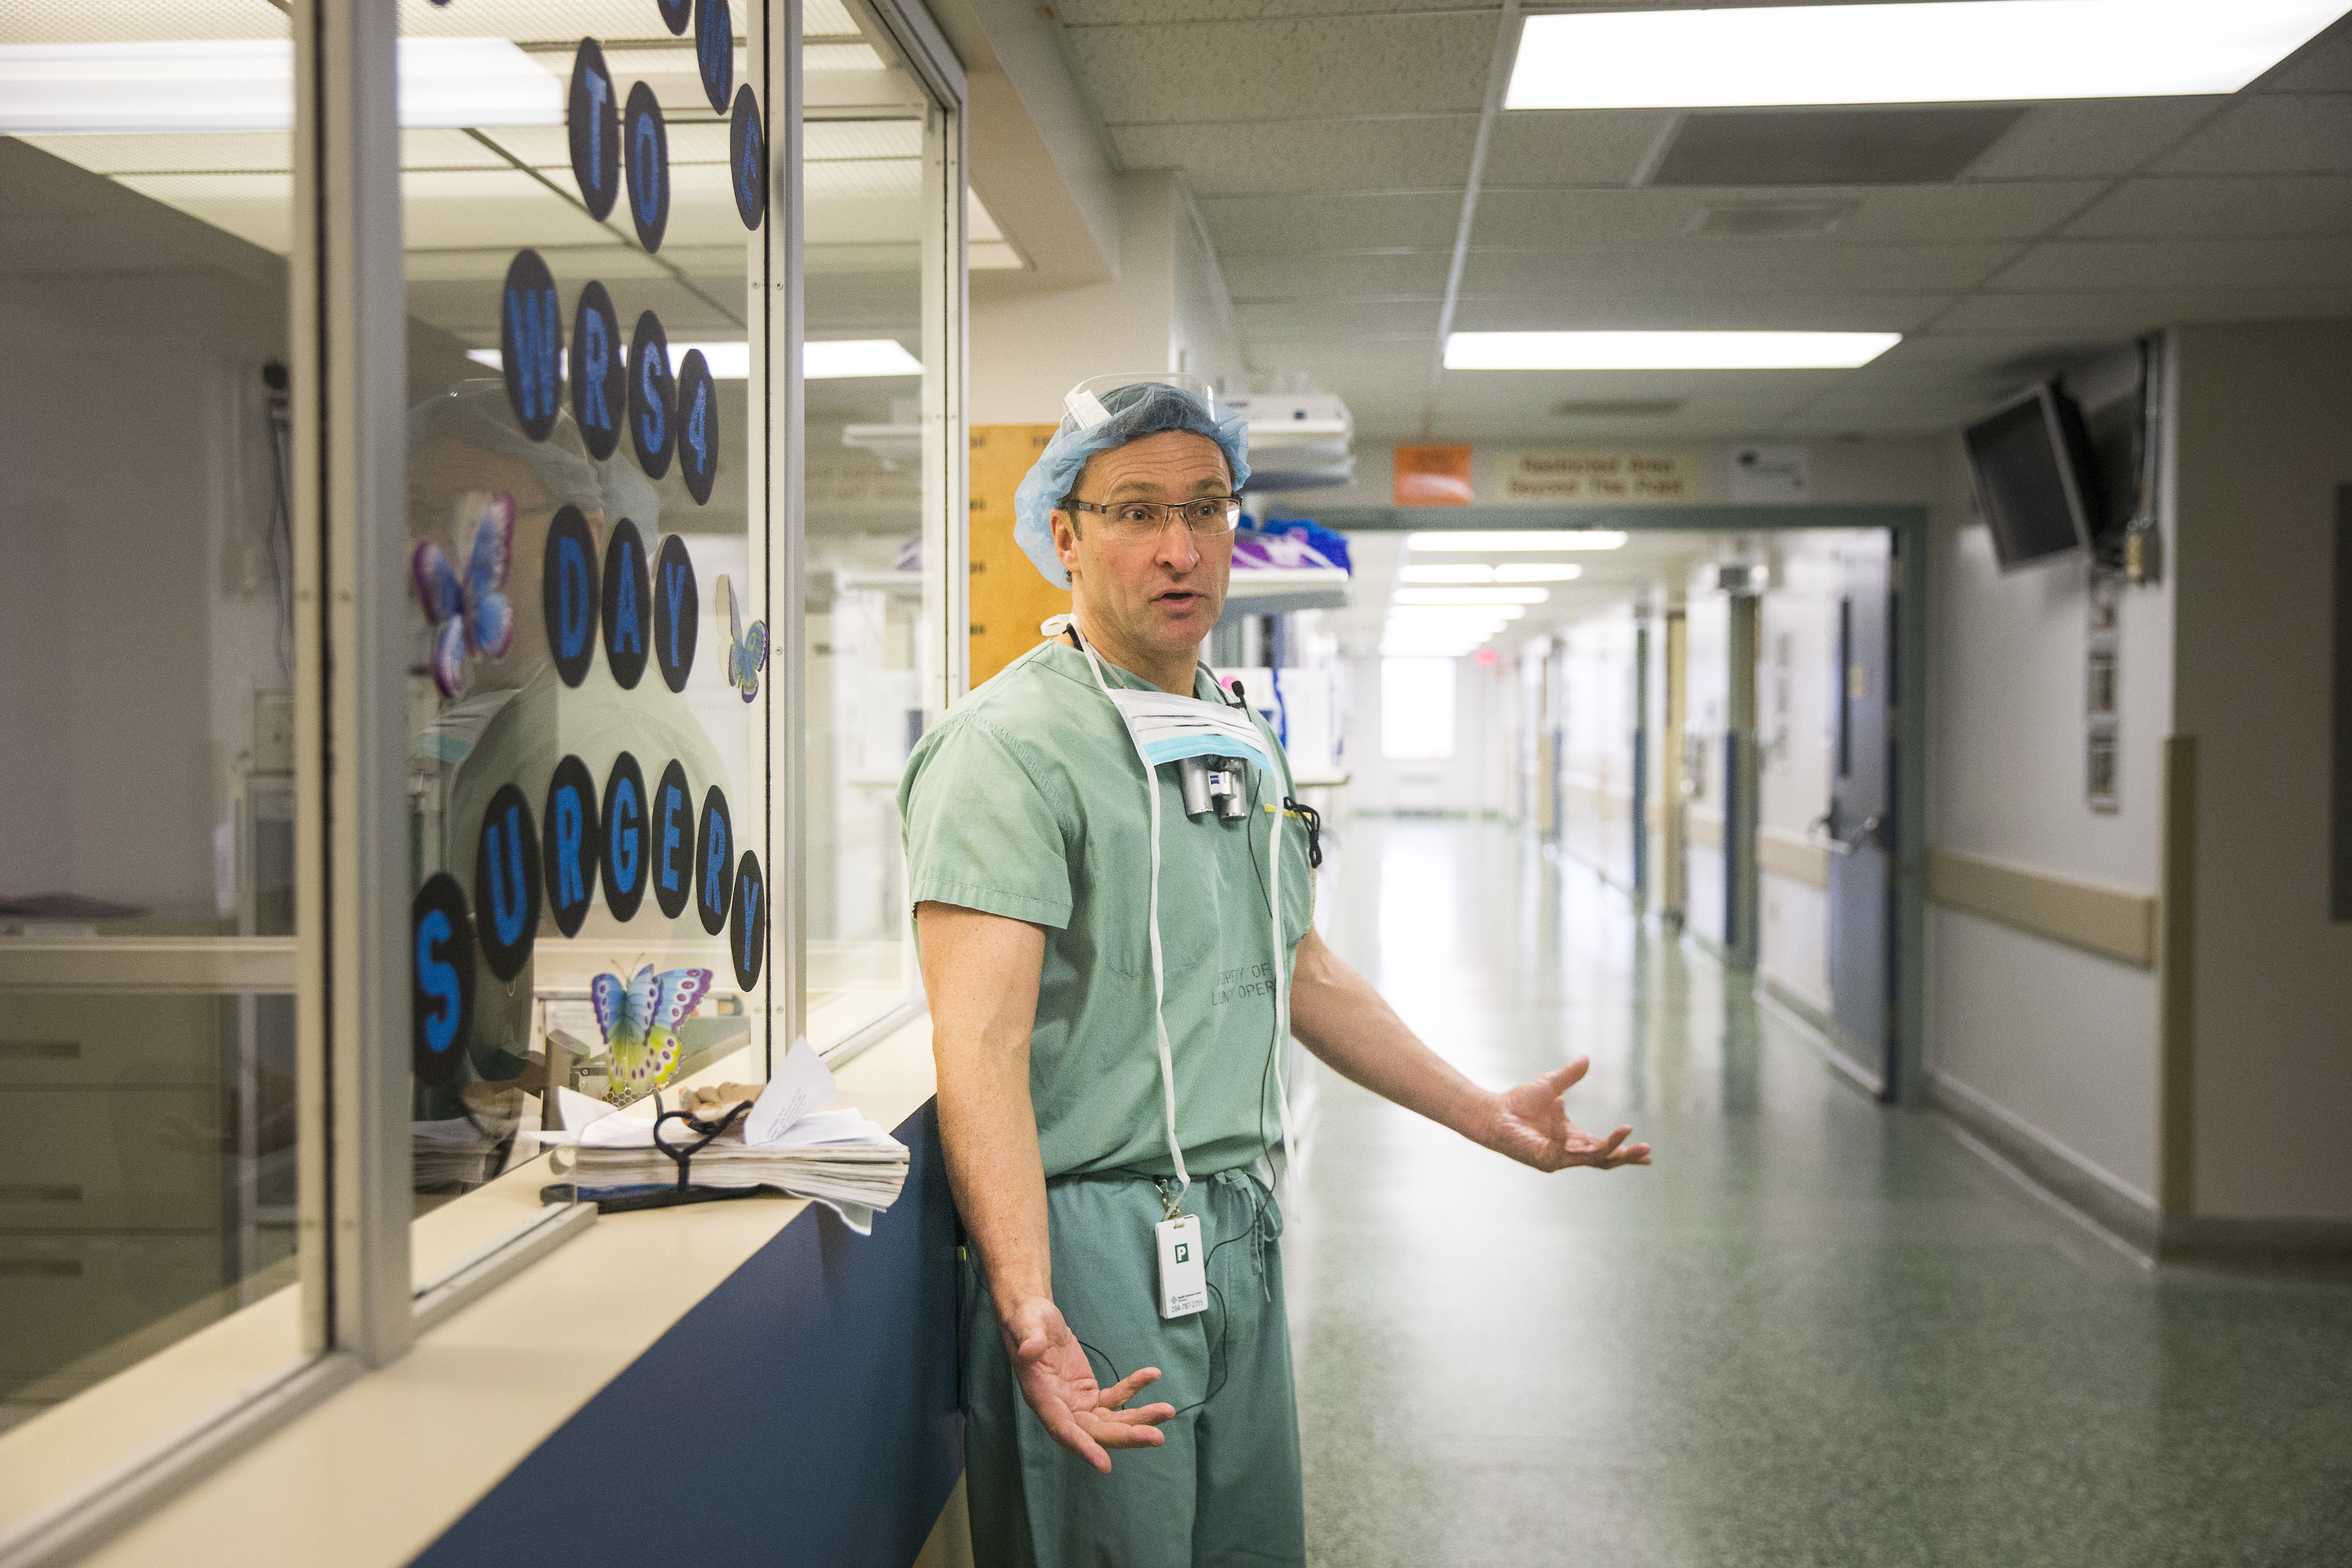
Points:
(359, 1308)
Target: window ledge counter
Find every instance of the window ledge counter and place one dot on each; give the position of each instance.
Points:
(738, 1381)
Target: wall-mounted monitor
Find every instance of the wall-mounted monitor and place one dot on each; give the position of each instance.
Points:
(2036, 483)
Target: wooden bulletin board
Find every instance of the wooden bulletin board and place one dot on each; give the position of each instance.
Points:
(1009, 597)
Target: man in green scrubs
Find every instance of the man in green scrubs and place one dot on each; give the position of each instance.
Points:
(1029, 844)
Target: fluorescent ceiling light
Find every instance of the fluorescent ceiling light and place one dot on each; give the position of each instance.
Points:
(1479, 573)
(819, 361)
(1498, 540)
(857, 357)
(1671, 351)
(1950, 51)
(1488, 596)
(248, 84)
(1453, 615)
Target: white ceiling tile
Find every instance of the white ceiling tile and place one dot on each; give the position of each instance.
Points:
(149, 19)
(2322, 64)
(1186, 73)
(210, 153)
(2273, 135)
(1575, 147)
(541, 21)
(2179, 263)
(1260, 278)
(1419, 153)
(2246, 204)
(471, 208)
(1337, 318)
(1243, 224)
(1902, 214)
(1700, 266)
(1575, 310)
(2119, 313)
(2109, 136)
(257, 208)
(1076, 14)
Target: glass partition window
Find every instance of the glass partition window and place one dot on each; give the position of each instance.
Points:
(873, 189)
(147, 940)
(589, 686)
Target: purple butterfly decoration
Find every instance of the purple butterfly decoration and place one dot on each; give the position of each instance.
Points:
(470, 615)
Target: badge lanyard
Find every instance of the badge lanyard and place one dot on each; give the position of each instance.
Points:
(1179, 731)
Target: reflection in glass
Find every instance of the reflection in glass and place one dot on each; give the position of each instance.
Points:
(870, 646)
(147, 1186)
(590, 786)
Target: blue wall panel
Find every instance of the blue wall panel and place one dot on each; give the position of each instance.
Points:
(804, 1413)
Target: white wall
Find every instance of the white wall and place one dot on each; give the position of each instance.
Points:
(143, 625)
(1031, 346)
(2264, 440)
(1706, 713)
(1596, 762)
(2060, 1042)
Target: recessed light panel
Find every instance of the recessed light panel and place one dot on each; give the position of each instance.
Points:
(1938, 51)
(1493, 541)
(1667, 350)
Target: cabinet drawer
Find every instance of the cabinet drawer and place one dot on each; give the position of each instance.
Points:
(70, 1037)
(87, 1159)
(67, 1298)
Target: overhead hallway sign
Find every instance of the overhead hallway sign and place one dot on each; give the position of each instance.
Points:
(1591, 478)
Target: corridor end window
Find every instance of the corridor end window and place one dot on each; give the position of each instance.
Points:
(1417, 709)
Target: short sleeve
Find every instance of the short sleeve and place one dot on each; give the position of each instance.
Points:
(980, 834)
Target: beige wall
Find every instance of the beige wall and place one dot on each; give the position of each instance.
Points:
(2058, 1044)
(2265, 439)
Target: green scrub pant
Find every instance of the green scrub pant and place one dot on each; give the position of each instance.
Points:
(1224, 1487)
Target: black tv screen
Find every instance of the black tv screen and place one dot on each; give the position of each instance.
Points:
(2034, 478)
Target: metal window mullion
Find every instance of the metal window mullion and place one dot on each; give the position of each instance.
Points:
(358, 343)
(783, 325)
(947, 536)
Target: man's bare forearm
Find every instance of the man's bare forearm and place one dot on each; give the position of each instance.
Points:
(1337, 1014)
(981, 973)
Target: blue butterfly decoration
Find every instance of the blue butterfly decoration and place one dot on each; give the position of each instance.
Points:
(468, 615)
(640, 1020)
(746, 651)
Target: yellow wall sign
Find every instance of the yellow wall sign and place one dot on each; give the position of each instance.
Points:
(1584, 478)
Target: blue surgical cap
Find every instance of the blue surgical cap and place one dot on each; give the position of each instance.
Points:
(1141, 409)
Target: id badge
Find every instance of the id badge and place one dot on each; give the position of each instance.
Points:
(1183, 1272)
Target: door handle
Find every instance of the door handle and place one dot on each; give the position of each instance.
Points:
(1819, 833)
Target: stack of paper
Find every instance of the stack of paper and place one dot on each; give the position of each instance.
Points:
(837, 1157)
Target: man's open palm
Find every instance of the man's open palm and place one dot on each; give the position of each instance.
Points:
(1532, 1126)
(1059, 1384)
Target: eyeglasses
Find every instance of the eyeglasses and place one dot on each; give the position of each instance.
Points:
(1135, 522)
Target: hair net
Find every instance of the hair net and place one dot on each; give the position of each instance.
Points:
(1140, 408)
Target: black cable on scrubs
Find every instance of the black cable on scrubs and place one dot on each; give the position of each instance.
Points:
(1225, 1318)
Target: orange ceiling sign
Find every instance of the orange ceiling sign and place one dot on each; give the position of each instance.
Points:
(1432, 476)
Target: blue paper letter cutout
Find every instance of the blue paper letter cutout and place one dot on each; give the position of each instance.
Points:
(438, 978)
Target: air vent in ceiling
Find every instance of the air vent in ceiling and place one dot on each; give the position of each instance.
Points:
(1830, 146)
(1754, 220)
(1616, 408)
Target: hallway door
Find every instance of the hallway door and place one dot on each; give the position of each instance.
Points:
(1861, 820)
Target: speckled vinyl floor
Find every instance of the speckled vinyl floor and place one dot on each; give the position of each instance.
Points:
(1816, 1332)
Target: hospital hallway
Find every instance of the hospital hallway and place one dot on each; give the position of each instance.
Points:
(1818, 1330)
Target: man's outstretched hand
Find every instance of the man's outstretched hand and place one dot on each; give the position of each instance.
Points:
(1531, 1125)
(1059, 1384)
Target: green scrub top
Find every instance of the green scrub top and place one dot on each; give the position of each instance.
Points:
(1027, 801)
